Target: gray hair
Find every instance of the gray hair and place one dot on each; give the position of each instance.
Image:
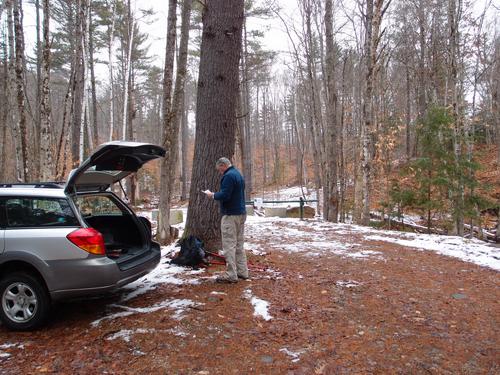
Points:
(223, 161)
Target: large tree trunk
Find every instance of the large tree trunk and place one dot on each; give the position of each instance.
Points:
(168, 71)
(171, 126)
(46, 171)
(330, 189)
(19, 46)
(215, 113)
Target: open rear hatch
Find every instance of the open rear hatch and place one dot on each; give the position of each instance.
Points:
(110, 163)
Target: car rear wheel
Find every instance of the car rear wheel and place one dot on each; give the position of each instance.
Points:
(25, 302)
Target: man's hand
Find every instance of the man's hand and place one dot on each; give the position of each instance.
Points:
(208, 193)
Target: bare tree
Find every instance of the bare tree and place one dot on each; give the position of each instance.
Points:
(164, 207)
(111, 38)
(373, 19)
(46, 171)
(79, 83)
(330, 190)
(172, 125)
(21, 98)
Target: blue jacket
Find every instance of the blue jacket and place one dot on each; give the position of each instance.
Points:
(232, 193)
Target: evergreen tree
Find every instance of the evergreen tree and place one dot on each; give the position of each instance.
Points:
(437, 174)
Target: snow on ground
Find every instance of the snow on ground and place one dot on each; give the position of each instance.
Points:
(468, 250)
(261, 307)
(314, 243)
(291, 237)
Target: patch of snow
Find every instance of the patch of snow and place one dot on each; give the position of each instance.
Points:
(260, 306)
(218, 293)
(254, 249)
(347, 283)
(179, 305)
(127, 334)
(294, 354)
(468, 250)
(364, 254)
(164, 273)
(9, 345)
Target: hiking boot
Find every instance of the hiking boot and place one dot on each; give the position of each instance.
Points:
(225, 280)
(243, 277)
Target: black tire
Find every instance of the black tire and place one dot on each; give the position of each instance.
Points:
(24, 301)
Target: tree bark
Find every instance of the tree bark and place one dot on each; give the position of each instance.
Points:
(215, 113)
(4, 104)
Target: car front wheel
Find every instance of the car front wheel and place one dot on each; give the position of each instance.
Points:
(25, 301)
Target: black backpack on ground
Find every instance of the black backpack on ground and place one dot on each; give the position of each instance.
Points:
(192, 252)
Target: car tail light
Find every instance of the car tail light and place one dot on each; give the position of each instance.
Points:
(88, 239)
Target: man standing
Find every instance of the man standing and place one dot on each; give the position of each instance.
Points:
(232, 205)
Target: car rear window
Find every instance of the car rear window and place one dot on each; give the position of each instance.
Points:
(97, 205)
(23, 212)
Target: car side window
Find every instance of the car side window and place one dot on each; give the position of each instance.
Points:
(38, 212)
(97, 206)
(3, 217)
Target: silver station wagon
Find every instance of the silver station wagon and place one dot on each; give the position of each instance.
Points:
(69, 240)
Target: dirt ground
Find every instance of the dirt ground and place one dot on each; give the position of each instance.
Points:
(403, 312)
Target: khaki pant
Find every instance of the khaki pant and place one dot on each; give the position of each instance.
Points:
(233, 235)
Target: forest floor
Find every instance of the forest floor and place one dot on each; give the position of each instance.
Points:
(322, 299)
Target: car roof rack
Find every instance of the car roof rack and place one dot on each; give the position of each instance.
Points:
(42, 185)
